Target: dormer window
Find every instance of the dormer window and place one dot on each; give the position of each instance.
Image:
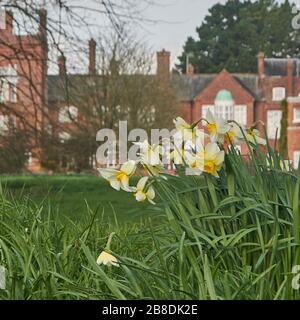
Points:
(278, 94)
(68, 114)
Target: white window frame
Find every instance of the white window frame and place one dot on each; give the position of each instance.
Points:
(204, 109)
(4, 124)
(271, 126)
(224, 111)
(2, 19)
(296, 115)
(296, 159)
(278, 93)
(67, 114)
(240, 114)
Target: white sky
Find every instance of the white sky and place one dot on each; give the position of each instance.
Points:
(182, 17)
(177, 19)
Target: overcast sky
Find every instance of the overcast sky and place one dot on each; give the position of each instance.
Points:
(182, 17)
(177, 19)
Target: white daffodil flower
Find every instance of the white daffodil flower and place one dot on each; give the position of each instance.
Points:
(150, 157)
(216, 127)
(119, 179)
(143, 192)
(209, 159)
(188, 132)
(107, 259)
(252, 135)
(234, 135)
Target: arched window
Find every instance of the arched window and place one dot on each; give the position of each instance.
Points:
(67, 114)
(224, 105)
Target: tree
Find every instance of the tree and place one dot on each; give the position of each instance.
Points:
(232, 34)
(123, 89)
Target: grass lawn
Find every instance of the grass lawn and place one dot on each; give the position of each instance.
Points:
(70, 196)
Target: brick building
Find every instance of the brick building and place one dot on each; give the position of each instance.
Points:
(33, 96)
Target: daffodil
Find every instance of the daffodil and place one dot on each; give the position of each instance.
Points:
(150, 157)
(252, 135)
(216, 127)
(107, 258)
(119, 179)
(213, 158)
(189, 132)
(144, 192)
(234, 135)
(209, 159)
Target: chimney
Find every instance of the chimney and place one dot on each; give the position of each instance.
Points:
(92, 57)
(62, 65)
(290, 78)
(43, 22)
(190, 69)
(6, 21)
(261, 64)
(163, 65)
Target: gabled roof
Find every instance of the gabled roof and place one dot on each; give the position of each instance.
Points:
(187, 87)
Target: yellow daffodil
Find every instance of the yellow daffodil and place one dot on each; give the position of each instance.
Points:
(119, 179)
(144, 192)
(252, 135)
(107, 258)
(216, 127)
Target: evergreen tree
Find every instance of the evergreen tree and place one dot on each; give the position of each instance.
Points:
(232, 34)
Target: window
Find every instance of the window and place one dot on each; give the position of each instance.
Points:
(64, 136)
(278, 94)
(224, 111)
(240, 114)
(273, 123)
(296, 158)
(13, 92)
(67, 114)
(4, 90)
(2, 19)
(296, 115)
(8, 83)
(4, 124)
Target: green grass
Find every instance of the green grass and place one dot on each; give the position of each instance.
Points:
(233, 237)
(70, 195)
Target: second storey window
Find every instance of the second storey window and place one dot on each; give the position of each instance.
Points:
(240, 114)
(273, 123)
(67, 114)
(278, 94)
(4, 124)
(224, 111)
(296, 117)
